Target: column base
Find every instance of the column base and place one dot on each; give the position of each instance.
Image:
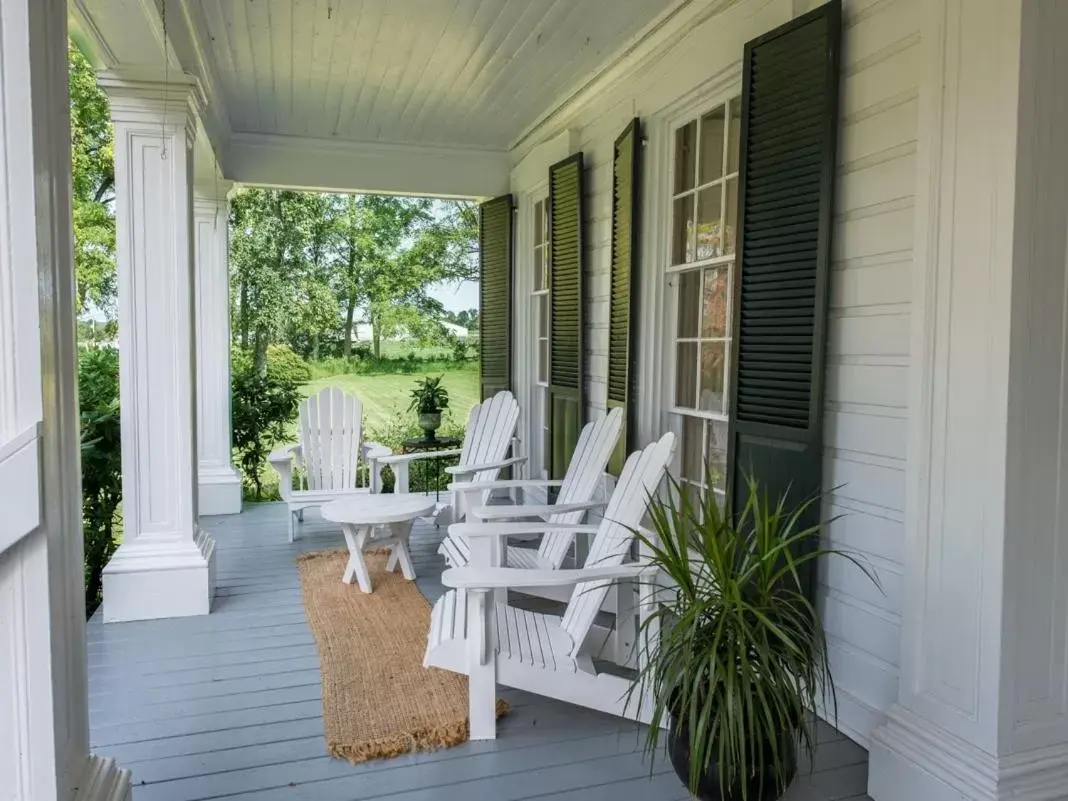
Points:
(218, 491)
(911, 758)
(103, 780)
(149, 580)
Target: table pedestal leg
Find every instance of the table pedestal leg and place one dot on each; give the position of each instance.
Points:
(399, 554)
(356, 538)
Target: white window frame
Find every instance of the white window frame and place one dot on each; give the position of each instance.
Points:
(667, 274)
(538, 422)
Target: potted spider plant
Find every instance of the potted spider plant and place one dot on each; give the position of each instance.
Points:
(740, 661)
(429, 398)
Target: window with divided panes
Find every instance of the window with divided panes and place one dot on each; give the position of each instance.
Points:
(540, 312)
(701, 267)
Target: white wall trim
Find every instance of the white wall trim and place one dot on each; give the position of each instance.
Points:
(670, 27)
(533, 169)
(103, 780)
(20, 477)
(371, 167)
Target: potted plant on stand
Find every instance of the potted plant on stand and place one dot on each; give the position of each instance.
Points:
(429, 398)
(739, 662)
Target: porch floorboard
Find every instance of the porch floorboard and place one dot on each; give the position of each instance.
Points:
(229, 705)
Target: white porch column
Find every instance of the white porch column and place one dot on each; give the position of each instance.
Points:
(44, 728)
(165, 565)
(982, 710)
(219, 483)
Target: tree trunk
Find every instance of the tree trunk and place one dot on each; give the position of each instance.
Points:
(315, 347)
(243, 314)
(376, 337)
(346, 343)
(259, 363)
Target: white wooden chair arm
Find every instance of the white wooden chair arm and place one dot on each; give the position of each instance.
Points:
(284, 454)
(281, 460)
(510, 483)
(489, 578)
(461, 469)
(376, 450)
(399, 458)
(508, 511)
(475, 530)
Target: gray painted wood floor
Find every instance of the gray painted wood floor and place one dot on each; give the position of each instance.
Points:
(228, 705)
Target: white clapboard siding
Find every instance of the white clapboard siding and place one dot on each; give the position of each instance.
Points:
(868, 353)
(868, 345)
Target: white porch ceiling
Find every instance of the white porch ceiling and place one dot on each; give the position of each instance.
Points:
(470, 73)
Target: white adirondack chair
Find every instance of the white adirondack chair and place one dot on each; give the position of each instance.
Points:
(329, 451)
(584, 475)
(493, 643)
(490, 430)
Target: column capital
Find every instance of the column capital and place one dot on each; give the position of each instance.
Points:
(150, 95)
(207, 197)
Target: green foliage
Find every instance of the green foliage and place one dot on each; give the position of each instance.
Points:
(423, 475)
(741, 657)
(460, 349)
(429, 396)
(306, 268)
(263, 406)
(98, 395)
(285, 365)
(93, 184)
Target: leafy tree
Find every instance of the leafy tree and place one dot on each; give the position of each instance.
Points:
(263, 407)
(269, 232)
(93, 182)
(393, 250)
(98, 399)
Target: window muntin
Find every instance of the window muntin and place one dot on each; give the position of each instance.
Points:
(540, 312)
(701, 269)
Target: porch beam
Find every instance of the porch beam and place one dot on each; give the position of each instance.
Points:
(982, 709)
(219, 485)
(165, 564)
(373, 167)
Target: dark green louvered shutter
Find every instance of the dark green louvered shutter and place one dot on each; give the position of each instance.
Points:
(789, 131)
(567, 358)
(495, 224)
(622, 317)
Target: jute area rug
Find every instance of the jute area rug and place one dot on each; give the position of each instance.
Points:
(378, 699)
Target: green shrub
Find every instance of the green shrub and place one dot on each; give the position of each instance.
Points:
(459, 349)
(422, 475)
(98, 397)
(285, 364)
(262, 410)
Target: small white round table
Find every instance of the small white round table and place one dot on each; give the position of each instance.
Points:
(359, 515)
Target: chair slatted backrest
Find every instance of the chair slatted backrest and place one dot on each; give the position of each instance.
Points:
(585, 472)
(330, 437)
(490, 429)
(637, 483)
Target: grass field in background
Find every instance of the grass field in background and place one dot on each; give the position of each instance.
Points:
(385, 395)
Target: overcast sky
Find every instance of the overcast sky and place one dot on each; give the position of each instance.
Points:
(456, 297)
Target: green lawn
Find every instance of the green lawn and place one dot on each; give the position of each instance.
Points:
(385, 395)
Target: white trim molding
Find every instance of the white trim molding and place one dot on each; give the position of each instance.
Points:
(165, 564)
(982, 710)
(103, 780)
(20, 480)
(657, 38)
(332, 165)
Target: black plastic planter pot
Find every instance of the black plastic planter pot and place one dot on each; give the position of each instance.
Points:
(708, 788)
